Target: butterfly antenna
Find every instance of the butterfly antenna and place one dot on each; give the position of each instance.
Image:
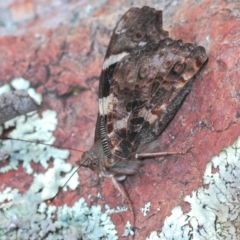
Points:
(80, 165)
(51, 145)
(65, 184)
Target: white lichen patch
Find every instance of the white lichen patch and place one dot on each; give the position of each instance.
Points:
(8, 194)
(118, 209)
(153, 236)
(20, 83)
(32, 128)
(99, 195)
(47, 184)
(146, 209)
(35, 96)
(215, 207)
(5, 88)
(93, 224)
(27, 217)
(128, 231)
(29, 127)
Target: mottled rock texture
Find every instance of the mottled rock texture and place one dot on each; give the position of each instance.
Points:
(62, 58)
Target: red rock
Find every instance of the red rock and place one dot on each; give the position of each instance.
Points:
(66, 59)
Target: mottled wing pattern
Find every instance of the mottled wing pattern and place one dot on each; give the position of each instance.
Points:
(135, 28)
(145, 78)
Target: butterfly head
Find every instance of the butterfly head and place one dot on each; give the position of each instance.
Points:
(94, 158)
(90, 160)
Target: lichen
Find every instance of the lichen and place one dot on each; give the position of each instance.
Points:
(92, 223)
(20, 83)
(146, 209)
(118, 209)
(8, 194)
(29, 127)
(128, 231)
(27, 216)
(48, 183)
(215, 207)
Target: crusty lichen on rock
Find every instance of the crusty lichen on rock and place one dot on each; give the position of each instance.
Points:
(215, 209)
(27, 216)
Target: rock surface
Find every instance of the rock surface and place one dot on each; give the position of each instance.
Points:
(61, 49)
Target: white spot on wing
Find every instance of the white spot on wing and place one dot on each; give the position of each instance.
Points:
(100, 106)
(113, 59)
(103, 105)
(120, 27)
(120, 31)
(142, 44)
(122, 123)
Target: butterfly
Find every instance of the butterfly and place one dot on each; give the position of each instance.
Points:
(145, 78)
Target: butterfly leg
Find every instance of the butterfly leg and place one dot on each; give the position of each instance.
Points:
(96, 182)
(123, 192)
(159, 154)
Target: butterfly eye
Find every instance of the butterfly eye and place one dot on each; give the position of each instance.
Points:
(93, 164)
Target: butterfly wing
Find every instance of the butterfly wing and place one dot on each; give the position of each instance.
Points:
(145, 78)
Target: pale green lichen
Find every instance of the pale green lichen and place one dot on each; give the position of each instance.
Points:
(31, 128)
(215, 207)
(27, 216)
(48, 183)
(23, 84)
(35, 96)
(20, 83)
(8, 194)
(92, 222)
(128, 231)
(118, 209)
(146, 209)
(5, 88)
